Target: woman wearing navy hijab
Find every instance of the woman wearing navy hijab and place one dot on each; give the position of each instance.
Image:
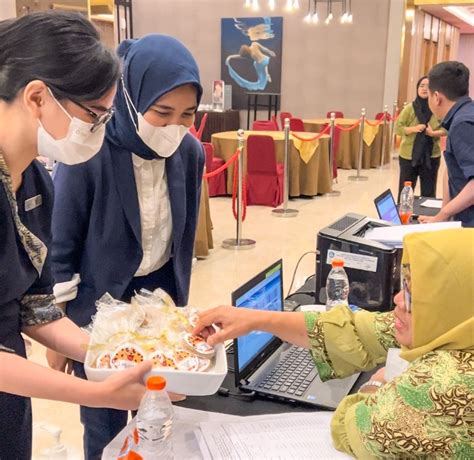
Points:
(127, 219)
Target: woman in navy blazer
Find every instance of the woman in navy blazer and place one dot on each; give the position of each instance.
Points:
(106, 237)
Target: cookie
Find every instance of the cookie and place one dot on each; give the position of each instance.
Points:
(186, 361)
(103, 361)
(203, 364)
(198, 345)
(160, 359)
(126, 355)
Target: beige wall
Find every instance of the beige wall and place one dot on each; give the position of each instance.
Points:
(466, 55)
(338, 66)
(7, 9)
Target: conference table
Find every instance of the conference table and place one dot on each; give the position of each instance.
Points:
(309, 171)
(347, 152)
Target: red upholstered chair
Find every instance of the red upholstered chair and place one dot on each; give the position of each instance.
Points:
(264, 125)
(379, 116)
(198, 133)
(296, 124)
(264, 174)
(202, 126)
(274, 119)
(284, 115)
(339, 114)
(217, 184)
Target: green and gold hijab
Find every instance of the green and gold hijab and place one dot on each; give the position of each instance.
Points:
(438, 269)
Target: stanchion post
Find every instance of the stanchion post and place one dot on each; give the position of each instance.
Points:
(358, 176)
(393, 137)
(239, 242)
(383, 150)
(332, 133)
(285, 211)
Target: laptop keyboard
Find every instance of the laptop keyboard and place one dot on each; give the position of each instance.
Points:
(293, 374)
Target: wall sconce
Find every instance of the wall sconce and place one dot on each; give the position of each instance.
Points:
(271, 5)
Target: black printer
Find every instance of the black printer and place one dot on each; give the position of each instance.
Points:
(373, 268)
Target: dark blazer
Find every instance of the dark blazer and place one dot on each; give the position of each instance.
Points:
(96, 223)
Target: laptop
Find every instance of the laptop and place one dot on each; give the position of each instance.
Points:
(386, 208)
(272, 368)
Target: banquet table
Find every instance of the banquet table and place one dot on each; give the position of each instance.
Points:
(347, 152)
(309, 171)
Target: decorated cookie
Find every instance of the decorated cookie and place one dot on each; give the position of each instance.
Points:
(126, 355)
(186, 361)
(203, 364)
(103, 361)
(160, 359)
(198, 345)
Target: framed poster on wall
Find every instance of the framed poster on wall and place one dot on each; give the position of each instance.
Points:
(251, 52)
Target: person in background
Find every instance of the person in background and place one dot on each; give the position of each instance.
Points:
(57, 84)
(426, 411)
(420, 151)
(449, 100)
(126, 220)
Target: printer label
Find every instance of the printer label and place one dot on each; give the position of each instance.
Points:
(357, 261)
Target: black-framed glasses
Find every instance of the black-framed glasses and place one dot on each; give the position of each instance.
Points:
(99, 120)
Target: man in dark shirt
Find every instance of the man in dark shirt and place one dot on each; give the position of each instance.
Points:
(449, 101)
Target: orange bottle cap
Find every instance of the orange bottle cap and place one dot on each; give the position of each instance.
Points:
(156, 383)
(407, 183)
(337, 263)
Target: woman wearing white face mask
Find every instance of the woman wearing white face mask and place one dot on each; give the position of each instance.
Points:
(54, 101)
(126, 219)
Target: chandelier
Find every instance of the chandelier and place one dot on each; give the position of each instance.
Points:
(312, 16)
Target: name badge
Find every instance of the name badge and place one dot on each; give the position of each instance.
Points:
(34, 202)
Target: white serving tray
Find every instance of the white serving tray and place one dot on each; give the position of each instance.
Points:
(182, 382)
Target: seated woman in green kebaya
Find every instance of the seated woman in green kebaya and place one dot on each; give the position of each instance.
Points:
(428, 410)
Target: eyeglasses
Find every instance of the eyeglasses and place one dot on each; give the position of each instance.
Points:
(99, 120)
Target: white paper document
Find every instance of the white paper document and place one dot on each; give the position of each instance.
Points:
(395, 365)
(393, 236)
(283, 436)
(435, 204)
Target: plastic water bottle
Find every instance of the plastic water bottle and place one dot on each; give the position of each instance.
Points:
(337, 285)
(406, 203)
(154, 421)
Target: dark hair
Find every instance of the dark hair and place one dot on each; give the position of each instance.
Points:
(450, 78)
(61, 49)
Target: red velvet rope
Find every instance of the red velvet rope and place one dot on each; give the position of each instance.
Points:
(350, 128)
(234, 195)
(377, 123)
(315, 138)
(223, 167)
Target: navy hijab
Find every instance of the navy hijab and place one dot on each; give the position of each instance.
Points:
(152, 66)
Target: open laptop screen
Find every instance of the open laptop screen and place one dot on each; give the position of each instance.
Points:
(386, 208)
(263, 292)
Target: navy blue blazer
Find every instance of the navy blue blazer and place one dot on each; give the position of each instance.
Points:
(96, 223)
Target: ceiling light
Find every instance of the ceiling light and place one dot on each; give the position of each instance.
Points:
(296, 4)
(271, 5)
(461, 13)
(315, 18)
(248, 3)
(289, 5)
(255, 5)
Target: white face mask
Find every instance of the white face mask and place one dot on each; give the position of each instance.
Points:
(164, 140)
(79, 145)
